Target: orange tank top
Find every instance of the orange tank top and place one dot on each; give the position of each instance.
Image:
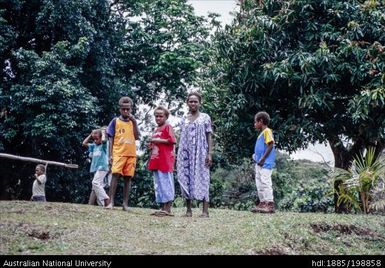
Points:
(124, 139)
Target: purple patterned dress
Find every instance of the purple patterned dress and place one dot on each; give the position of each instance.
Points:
(193, 175)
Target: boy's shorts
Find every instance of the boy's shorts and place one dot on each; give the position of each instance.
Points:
(124, 165)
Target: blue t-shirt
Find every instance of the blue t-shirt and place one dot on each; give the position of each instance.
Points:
(261, 146)
(99, 156)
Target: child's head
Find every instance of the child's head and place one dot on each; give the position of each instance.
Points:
(40, 169)
(261, 119)
(161, 115)
(194, 100)
(125, 106)
(97, 135)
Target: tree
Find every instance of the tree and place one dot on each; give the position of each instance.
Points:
(48, 104)
(163, 50)
(318, 68)
(67, 63)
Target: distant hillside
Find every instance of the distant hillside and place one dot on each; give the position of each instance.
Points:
(63, 228)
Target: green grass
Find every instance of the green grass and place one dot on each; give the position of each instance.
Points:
(63, 228)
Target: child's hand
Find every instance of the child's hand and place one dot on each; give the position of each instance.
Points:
(131, 117)
(149, 145)
(209, 160)
(261, 162)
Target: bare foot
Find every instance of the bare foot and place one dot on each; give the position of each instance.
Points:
(107, 202)
(125, 208)
(204, 215)
(168, 213)
(155, 213)
(188, 214)
(109, 206)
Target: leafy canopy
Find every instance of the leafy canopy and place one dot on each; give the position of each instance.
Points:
(317, 67)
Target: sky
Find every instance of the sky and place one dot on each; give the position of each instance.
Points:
(222, 7)
(318, 152)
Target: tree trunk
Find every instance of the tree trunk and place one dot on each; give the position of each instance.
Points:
(342, 159)
(364, 201)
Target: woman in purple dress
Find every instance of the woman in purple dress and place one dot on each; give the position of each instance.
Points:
(194, 155)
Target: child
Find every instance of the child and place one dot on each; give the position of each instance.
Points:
(123, 132)
(264, 156)
(38, 187)
(195, 155)
(162, 161)
(99, 165)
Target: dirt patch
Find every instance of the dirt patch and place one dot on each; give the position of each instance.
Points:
(42, 235)
(275, 250)
(36, 231)
(346, 229)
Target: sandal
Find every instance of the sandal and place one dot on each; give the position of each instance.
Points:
(155, 213)
(161, 213)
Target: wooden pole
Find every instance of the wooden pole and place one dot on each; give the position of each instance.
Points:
(35, 160)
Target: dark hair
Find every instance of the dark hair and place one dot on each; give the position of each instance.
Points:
(99, 131)
(265, 117)
(41, 167)
(164, 109)
(196, 94)
(125, 101)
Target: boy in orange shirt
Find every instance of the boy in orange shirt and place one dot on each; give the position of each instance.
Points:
(122, 133)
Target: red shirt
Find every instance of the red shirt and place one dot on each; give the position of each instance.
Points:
(162, 155)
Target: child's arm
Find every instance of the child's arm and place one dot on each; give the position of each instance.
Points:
(40, 179)
(111, 143)
(135, 125)
(266, 154)
(104, 136)
(209, 153)
(85, 142)
(159, 140)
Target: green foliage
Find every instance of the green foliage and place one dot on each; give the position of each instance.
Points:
(143, 192)
(71, 61)
(49, 106)
(316, 66)
(297, 185)
(360, 180)
(233, 187)
(162, 51)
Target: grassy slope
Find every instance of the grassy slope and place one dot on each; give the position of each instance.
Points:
(59, 228)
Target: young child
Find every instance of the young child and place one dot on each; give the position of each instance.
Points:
(162, 161)
(264, 156)
(99, 165)
(123, 132)
(38, 187)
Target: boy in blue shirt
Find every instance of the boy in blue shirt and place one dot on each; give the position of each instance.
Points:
(264, 156)
(99, 164)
